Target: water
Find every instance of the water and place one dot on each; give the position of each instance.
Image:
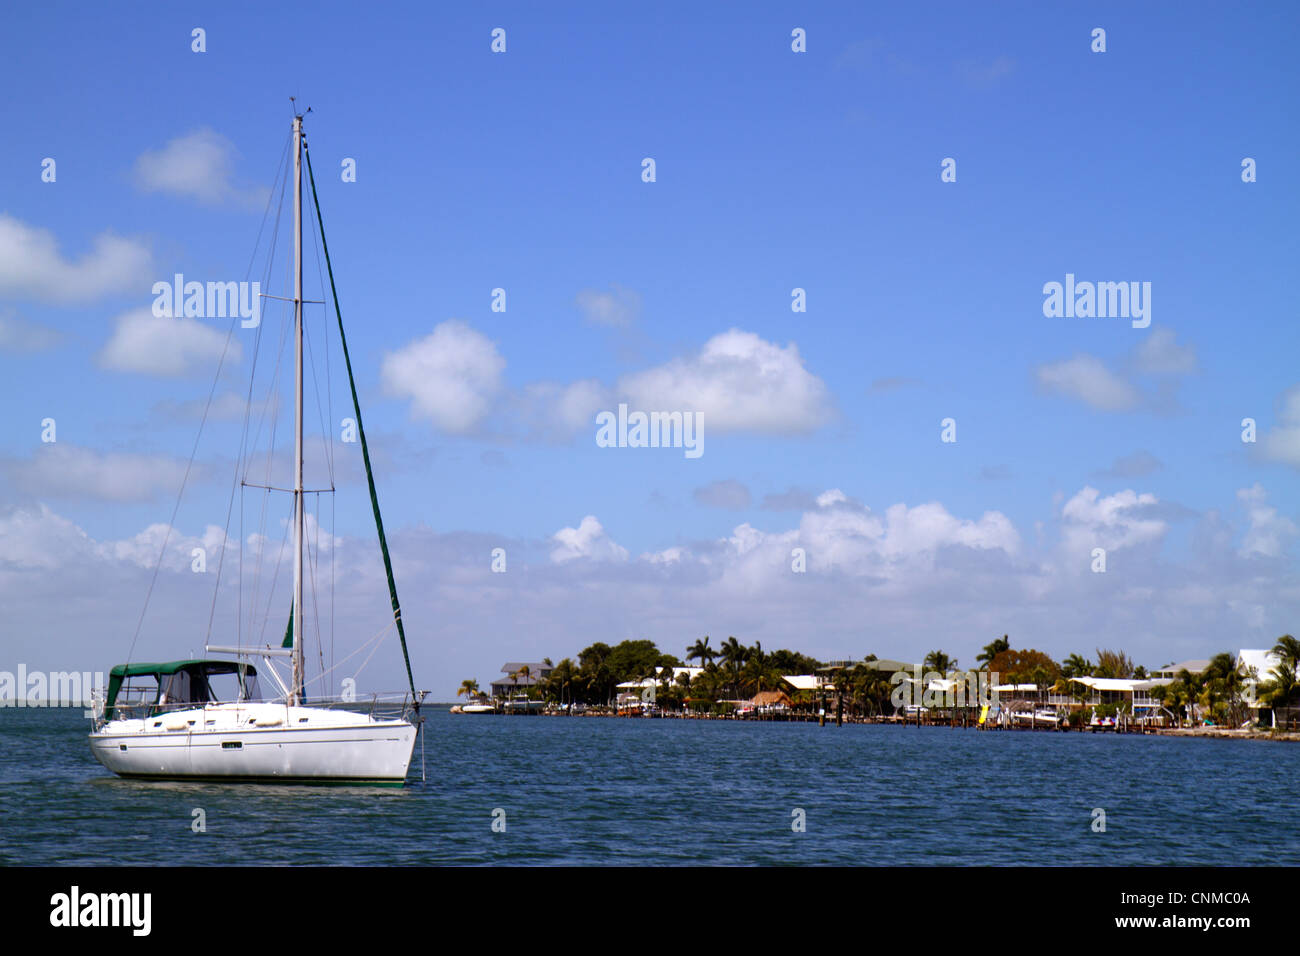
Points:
(602, 791)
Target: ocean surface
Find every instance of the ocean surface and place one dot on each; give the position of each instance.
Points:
(588, 791)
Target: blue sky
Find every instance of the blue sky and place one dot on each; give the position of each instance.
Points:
(775, 170)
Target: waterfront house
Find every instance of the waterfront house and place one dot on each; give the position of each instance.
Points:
(1129, 692)
(809, 682)
(519, 677)
(1195, 666)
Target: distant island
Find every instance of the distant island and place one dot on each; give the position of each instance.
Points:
(1249, 689)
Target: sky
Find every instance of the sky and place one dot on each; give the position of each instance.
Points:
(921, 176)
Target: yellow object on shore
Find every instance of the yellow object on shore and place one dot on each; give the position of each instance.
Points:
(984, 713)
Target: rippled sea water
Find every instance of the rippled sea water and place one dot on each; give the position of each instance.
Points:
(610, 791)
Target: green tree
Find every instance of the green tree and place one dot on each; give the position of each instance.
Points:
(1076, 665)
(1113, 664)
(939, 661)
(992, 650)
(701, 651)
(734, 654)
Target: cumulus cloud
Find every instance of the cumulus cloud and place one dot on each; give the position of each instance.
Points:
(555, 411)
(31, 265)
(1282, 442)
(738, 382)
(618, 307)
(923, 576)
(1086, 378)
(63, 470)
(451, 377)
(171, 347)
(1159, 354)
(1268, 532)
(198, 165)
(588, 540)
(1115, 521)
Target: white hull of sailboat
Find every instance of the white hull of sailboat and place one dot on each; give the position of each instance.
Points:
(258, 743)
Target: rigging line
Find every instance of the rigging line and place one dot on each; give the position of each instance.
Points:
(275, 576)
(271, 406)
(358, 671)
(361, 434)
(162, 551)
(333, 549)
(320, 411)
(320, 644)
(252, 378)
(280, 171)
(377, 636)
(270, 456)
(216, 378)
(329, 393)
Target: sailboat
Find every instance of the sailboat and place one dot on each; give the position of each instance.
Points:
(205, 718)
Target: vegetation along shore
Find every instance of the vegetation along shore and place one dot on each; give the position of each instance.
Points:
(1253, 693)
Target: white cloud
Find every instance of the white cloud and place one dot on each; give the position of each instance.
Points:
(63, 470)
(1268, 532)
(1282, 442)
(198, 165)
(1090, 380)
(914, 569)
(618, 307)
(738, 382)
(451, 377)
(31, 265)
(172, 347)
(557, 411)
(588, 540)
(1087, 378)
(1115, 521)
(1159, 354)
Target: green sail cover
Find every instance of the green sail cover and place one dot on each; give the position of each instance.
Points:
(361, 434)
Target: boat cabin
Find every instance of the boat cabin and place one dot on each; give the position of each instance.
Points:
(148, 689)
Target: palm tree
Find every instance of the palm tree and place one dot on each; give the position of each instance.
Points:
(939, 661)
(734, 654)
(992, 650)
(759, 670)
(1076, 665)
(469, 688)
(1288, 649)
(701, 651)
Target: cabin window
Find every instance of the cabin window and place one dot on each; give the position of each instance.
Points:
(231, 745)
(121, 746)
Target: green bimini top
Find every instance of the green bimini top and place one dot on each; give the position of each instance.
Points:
(199, 668)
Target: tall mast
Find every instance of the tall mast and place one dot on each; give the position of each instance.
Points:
(295, 691)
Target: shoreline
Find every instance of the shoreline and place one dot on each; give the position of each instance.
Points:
(1202, 732)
